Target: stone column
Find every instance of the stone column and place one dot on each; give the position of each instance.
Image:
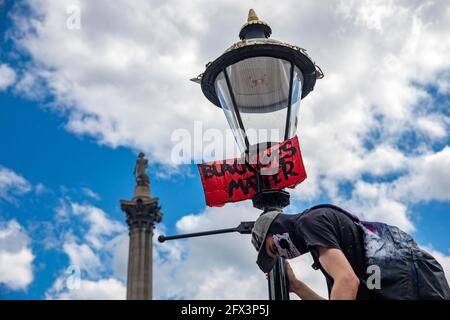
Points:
(142, 212)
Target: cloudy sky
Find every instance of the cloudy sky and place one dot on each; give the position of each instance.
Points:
(78, 102)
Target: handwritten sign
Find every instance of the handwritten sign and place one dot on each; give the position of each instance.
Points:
(281, 166)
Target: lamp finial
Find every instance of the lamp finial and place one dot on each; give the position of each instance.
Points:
(254, 27)
(252, 16)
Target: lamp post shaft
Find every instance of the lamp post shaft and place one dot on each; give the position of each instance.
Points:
(277, 282)
(268, 200)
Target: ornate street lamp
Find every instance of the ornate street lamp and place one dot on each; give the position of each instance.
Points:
(259, 83)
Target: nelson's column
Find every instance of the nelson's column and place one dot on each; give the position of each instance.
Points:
(142, 212)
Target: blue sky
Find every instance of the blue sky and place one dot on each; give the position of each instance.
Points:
(45, 153)
(78, 110)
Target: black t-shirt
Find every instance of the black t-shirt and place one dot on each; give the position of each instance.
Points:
(322, 227)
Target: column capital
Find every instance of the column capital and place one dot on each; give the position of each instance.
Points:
(142, 213)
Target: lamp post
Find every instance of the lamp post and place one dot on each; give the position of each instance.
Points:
(259, 83)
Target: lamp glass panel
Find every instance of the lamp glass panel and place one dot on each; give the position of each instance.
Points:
(260, 86)
(297, 85)
(261, 89)
(225, 100)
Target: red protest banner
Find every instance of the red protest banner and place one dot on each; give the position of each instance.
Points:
(231, 180)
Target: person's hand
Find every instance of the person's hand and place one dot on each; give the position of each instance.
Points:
(292, 279)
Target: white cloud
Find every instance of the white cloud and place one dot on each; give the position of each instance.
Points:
(12, 184)
(82, 256)
(91, 194)
(429, 178)
(86, 235)
(98, 246)
(303, 270)
(40, 189)
(118, 251)
(7, 76)
(434, 126)
(100, 226)
(372, 203)
(443, 86)
(16, 257)
(31, 85)
(103, 289)
(384, 159)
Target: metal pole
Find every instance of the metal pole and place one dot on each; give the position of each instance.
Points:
(245, 227)
(268, 200)
(196, 234)
(277, 282)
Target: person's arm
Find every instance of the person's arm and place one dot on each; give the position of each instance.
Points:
(345, 281)
(300, 288)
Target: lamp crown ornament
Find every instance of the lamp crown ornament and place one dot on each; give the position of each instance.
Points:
(254, 27)
(252, 16)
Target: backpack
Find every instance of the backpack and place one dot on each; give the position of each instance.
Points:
(407, 272)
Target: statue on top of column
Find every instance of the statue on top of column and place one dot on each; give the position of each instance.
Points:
(140, 171)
